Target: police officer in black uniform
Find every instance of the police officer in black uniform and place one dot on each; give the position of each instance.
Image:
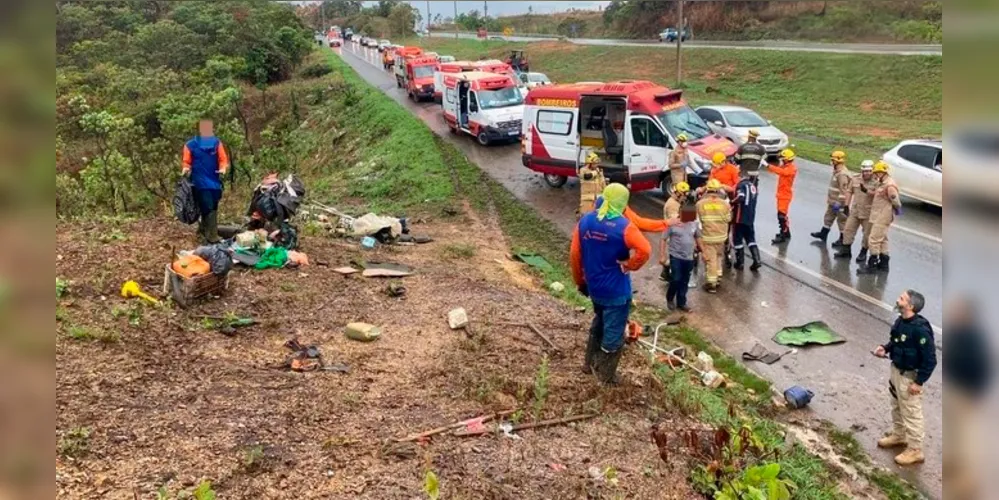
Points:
(750, 155)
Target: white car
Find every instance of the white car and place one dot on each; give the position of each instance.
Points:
(917, 167)
(532, 80)
(383, 44)
(446, 59)
(734, 123)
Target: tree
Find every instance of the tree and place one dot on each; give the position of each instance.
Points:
(384, 7)
(403, 19)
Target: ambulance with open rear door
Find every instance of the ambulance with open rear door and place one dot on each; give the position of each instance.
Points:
(632, 125)
(486, 106)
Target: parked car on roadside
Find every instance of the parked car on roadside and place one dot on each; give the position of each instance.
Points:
(383, 44)
(532, 80)
(669, 35)
(446, 59)
(734, 123)
(917, 167)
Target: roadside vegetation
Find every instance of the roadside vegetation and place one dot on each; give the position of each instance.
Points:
(861, 103)
(913, 21)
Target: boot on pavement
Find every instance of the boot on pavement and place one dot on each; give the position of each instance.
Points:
(755, 253)
(871, 267)
(844, 252)
(862, 256)
(780, 238)
(740, 258)
(821, 235)
(711, 287)
(839, 242)
(891, 441)
(605, 366)
(910, 456)
(883, 263)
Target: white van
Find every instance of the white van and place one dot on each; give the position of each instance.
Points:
(486, 106)
(632, 125)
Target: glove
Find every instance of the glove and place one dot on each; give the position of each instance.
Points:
(846, 211)
(584, 290)
(836, 207)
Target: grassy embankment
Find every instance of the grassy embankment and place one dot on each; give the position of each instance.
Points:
(405, 161)
(861, 103)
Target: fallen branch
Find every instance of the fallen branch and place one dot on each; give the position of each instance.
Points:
(552, 422)
(442, 429)
(530, 326)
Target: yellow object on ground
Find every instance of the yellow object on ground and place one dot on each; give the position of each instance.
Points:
(131, 289)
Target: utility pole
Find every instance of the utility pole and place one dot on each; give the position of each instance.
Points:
(322, 18)
(485, 8)
(428, 17)
(455, 19)
(679, 42)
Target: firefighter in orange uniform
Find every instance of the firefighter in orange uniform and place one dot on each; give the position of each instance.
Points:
(727, 173)
(786, 172)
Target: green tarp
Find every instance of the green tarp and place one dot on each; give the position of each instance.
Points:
(534, 260)
(816, 332)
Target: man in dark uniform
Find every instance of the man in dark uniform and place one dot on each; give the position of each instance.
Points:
(743, 223)
(913, 355)
(750, 155)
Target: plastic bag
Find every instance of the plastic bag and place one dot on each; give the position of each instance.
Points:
(218, 259)
(185, 209)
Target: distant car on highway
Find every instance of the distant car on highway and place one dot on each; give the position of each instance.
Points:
(917, 167)
(383, 44)
(669, 35)
(734, 123)
(446, 59)
(532, 80)
(496, 37)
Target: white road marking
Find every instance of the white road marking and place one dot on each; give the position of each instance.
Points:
(917, 233)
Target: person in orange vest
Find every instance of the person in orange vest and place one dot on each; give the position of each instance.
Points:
(727, 173)
(786, 172)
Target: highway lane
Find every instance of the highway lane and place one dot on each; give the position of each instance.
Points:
(798, 284)
(780, 45)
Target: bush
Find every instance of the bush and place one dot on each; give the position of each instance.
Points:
(316, 70)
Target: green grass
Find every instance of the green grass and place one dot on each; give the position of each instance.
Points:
(847, 445)
(458, 251)
(860, 103)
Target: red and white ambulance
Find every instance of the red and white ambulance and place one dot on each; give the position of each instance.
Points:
(632, 125)
(451, 67)
(485, 105)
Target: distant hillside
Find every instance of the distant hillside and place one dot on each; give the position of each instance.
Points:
(897, 21)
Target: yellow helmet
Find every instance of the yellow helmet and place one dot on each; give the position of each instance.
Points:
(881, 166)
(718, 158)
(682, 187)
(592, 158)
(754, 133)
(681, 138)
(714, 185)
(838, 156)
(787, 155)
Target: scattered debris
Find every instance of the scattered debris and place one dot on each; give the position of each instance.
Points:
(308, 358)
(273, 257)
(386, 270)
(464, 423)
(798, 397)
(131, 289)
(368, 242)
(297, 259)
(457, 318)
(363, 332)
(551, 345)
(816, 332)
(760, 353)
(395, 289)
(705, 362)
(553, 422)
(345, 270)
(534, 260)
(419, 240)
(556, 287)
(712, 379)
(507, 429)
(557, 467)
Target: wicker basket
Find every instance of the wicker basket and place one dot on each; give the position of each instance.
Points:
(187, 291)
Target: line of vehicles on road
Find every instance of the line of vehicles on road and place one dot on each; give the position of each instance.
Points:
(632, 125)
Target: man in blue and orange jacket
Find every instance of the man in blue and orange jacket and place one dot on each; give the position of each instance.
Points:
(205, 161)
(606, 246)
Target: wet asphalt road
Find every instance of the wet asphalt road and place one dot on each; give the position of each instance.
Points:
(798, 284)
(780, 45)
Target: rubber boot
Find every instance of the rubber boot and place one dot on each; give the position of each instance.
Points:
(755, 253)
(838, 243)
(740, 259)
(605, 366)
(211, 220)
(822, 234)
(883, 263)
(862, 256)
(871, 267)
(844, 252)
(592, 348)
(779, 238)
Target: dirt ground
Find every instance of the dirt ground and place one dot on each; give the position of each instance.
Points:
(170, 402)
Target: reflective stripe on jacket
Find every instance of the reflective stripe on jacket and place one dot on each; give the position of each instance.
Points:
(715, 215)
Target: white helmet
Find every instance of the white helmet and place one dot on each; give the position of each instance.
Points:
(867, 166)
